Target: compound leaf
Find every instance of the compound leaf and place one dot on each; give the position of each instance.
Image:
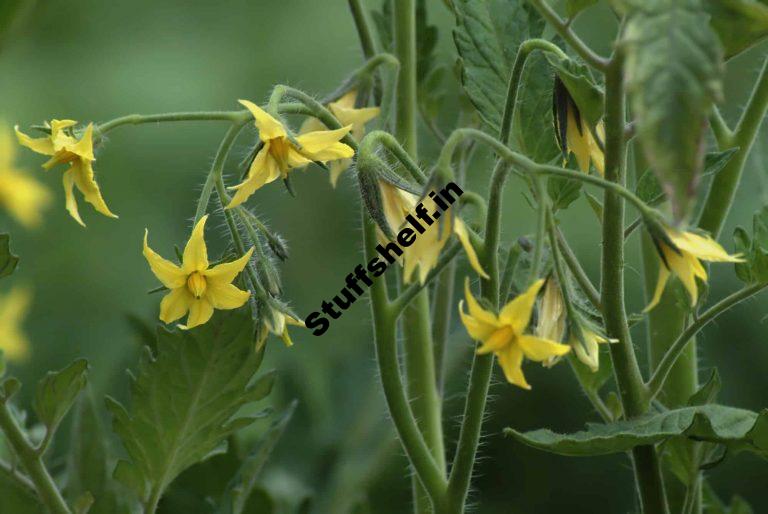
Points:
(738, 429)
(674, 68)
(185, 399)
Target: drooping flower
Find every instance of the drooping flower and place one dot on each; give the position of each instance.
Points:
(550, 324)
(64, 148)
(13, 309)
(588, 350)
(573, 132)
(23, 196)
(281, 153)
(194, 287)
(684, 261)
(423, 254)
(277, 323)
(504, 334)
(344, 110)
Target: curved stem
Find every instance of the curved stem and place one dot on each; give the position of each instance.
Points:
(217, 168)
(656, 382)
(563, 28)
(389, 142)
(46, 489)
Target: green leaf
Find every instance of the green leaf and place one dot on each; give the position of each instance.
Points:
(708, 392)
(740, 24)
(487, 36)
(534, 123)
(563, 191)
(574, 7)
(674, 68)
(185, 400)
(581, 86)
(738, 429)
(15, 499)
(242, 486)
(57, 392)
(87, 460)
(8, 261)
(649, 190)
(754, 249)
(592, 381)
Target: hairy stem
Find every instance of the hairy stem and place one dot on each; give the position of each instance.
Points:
(650, 484)
(46, 489)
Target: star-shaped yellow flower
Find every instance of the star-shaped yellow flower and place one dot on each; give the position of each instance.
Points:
(23, 196)
(13, 309)
(574, 134)
(685, 261)
(424, 253)
(65, 148)
(344, 110)
(503, 334)
(281, 154)
(194, 287)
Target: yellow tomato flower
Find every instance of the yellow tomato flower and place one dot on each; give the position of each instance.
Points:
(194, 287)
(64, 148)
(503, 334)
(423, 254)
(574, 134)
(344, 110)
(588, 350)
(278, 324)
(685, 261)
(550, 324)
(281, 154)
(23, 196)
(13, 309)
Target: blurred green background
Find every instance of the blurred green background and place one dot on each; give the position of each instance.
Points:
(95, 60)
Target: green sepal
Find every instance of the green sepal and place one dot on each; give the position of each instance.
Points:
(585, 92)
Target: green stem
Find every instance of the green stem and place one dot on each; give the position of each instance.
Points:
(217, 168)
(230, 116)
(564, 29)
(629, 379)
(441, 320)
(592, 294)
(389, 142)
(419, 353)
(723, 189)
(363, 29)
(410, 292)
(419, 455)
(541, 230)
(666, 363)
(46, 489)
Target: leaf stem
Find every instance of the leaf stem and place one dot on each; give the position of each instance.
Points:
(656, 383)
(46, 489)
(563, 28)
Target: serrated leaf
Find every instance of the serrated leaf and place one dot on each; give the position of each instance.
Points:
(739, 24)
(184, 400)
(563, 191)
(487, 36)
(243, 484)
(738, 429)
(649, 190)
(674, 68)
(8, 261)
(754, 249)
(57, 392)
(87, 460)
